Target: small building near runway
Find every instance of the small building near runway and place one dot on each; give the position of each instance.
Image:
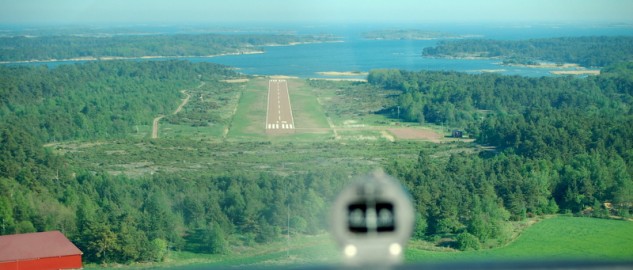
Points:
(42, 251)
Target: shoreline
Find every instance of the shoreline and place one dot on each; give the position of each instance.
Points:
(149, 57)
(342, 73)
(112, 58)
(576, 72)
(544, 65)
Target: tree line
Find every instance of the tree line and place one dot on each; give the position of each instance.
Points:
(19, 48)
(595, 51)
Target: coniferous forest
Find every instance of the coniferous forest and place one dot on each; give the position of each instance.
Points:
(551, 145)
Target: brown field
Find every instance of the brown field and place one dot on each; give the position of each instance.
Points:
(416, 134)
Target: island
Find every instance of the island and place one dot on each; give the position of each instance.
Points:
(410, 34)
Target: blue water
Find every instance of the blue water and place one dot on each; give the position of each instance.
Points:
(357, 54)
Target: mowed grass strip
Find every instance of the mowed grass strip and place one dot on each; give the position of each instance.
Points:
(559, 238)
(307, 111)
(250, 117)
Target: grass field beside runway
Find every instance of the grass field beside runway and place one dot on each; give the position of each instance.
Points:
(308, 113)
(250, 117)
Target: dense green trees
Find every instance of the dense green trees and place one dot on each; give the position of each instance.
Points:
(96, 99)
(585, 51)
(562, 144)
(118, 219)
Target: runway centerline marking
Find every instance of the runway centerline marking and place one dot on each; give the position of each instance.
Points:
(280, 120)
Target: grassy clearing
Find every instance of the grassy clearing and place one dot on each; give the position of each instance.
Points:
(250, 116)
(552, 239)
(294, 153)
(345, 102)
(190, 132)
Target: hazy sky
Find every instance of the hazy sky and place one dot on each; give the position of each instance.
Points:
(393, 11)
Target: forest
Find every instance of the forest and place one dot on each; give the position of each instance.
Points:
(96, 100)
(560, 145)
(586, 51)
(551, 145)
(42, 48)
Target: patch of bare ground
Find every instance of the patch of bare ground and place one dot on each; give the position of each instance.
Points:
(576, 72)
(416, 134)
(387, 136)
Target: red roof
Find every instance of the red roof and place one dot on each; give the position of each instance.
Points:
(36, 245)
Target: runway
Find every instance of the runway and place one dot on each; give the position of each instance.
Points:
(279, 118)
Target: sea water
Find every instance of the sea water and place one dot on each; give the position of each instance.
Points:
(354, 53)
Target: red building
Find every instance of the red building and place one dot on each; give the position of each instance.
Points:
(44, 250)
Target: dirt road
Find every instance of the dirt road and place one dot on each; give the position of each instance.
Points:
(155, 127)
(182, 104)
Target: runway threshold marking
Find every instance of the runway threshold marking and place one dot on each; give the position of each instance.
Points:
(284, 120)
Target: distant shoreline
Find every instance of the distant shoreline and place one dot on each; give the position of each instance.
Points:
(112, 58)
(412, 34)
(575, 72)
(343, 73)
(149, 57)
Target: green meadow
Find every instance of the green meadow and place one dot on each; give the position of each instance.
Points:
(558, 238)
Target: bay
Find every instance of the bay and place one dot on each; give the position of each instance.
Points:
(308, 60)
(355, 53)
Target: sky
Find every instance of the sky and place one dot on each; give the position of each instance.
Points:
(333, 11)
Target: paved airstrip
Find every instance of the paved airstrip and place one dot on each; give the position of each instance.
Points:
(279, 113)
